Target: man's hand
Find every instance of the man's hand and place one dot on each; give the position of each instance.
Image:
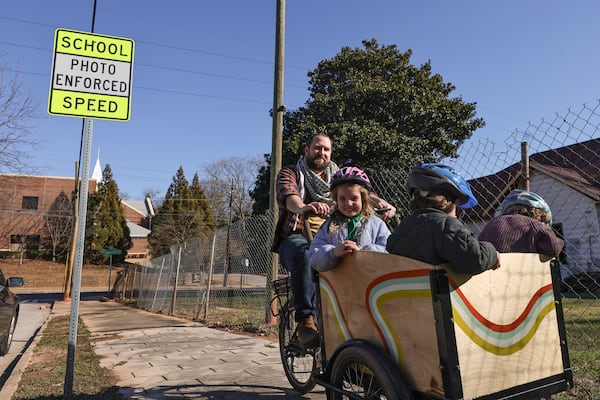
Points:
(295, 205)
(320, 209)
(382, 207)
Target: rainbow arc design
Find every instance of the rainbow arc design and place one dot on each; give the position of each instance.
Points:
(502, 339)
(498, 339)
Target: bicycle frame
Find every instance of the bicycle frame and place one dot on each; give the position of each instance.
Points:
(299, 362)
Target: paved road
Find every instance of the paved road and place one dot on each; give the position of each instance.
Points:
(32, 317)
(161, 357)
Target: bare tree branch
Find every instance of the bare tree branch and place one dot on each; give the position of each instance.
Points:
(231, 178)
(17, 109)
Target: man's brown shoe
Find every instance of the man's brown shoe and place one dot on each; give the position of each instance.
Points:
(307, 332)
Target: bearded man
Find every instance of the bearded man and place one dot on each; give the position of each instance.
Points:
(303, 193)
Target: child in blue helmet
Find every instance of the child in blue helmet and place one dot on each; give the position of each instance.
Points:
(523, 226)
(432, 233)
(353, 224)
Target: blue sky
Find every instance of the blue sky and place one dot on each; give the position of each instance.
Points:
(203, 70)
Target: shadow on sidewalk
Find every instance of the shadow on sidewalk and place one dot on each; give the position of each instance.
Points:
(221, 392)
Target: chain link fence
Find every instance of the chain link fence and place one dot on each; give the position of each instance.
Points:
(225, 280)
(560, 160)
(222, 281)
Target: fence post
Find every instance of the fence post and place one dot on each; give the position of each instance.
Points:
(525, 184)
(124, 295)
(133, 282)
(210, 275)
(141, 294)
(228, 244)
(174, 298)
(158, 283)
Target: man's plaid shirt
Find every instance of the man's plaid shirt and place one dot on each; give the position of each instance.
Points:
(288, 222)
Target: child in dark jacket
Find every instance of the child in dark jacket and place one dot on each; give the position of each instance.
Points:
(353, 224)
(523, 226)
(433, 233)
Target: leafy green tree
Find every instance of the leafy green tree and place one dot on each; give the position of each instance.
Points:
(106, 227)
(382, 112)
(184, 214)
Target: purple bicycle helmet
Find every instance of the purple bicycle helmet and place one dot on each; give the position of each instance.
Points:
(350, 175)
(527, 199)
(429, 176)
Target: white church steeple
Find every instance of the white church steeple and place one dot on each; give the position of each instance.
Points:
(97, 173)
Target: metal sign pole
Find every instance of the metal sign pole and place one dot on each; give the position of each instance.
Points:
(109, 274)
(76, 285)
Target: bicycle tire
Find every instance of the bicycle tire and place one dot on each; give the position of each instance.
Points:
(298, 362)
(366, 372)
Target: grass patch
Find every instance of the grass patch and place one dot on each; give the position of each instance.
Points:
(45, 375)
(583, 339)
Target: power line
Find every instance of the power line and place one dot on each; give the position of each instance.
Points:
(200, 95)
(165, 68)
(179, 92)
(166, 46)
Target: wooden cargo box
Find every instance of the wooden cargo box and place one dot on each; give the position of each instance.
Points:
(498, 334)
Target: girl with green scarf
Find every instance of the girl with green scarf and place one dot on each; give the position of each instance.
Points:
(353, 224)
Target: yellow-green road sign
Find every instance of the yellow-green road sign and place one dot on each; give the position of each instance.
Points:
(91, 75)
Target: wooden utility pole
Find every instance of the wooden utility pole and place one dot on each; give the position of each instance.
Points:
(277, 113)
(71, 257)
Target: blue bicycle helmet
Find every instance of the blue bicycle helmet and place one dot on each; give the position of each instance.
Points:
(429, 176)
(520, 197)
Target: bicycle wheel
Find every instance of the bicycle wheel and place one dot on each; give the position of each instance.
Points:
(298, 362)
(366, 372)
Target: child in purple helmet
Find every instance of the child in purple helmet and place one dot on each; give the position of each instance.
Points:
(352, 226)
(523, 226)
(433, 233)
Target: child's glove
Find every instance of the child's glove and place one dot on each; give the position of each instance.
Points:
(497, 265)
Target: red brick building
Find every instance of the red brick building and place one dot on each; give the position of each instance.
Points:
(30, 207)
(139, 223)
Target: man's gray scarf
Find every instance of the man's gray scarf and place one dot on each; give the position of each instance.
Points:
(316, 186)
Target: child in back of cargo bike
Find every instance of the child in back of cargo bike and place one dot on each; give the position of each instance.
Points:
(353, 224)
(523, 226)
(433, 233)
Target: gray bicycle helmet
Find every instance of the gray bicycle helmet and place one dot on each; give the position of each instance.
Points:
(520, 197)
(429, 176)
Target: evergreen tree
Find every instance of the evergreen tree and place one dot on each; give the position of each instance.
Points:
(106, 227)
(382, 113)
(204, 217)
(184, 214)
(262, 188)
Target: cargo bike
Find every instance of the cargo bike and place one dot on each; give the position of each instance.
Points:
(395, 328)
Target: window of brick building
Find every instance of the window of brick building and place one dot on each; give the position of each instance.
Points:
(30, 203)
(31, 242)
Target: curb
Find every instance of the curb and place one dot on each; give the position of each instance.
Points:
(12, 383)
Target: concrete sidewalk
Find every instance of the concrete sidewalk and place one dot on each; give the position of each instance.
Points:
(161, 357)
